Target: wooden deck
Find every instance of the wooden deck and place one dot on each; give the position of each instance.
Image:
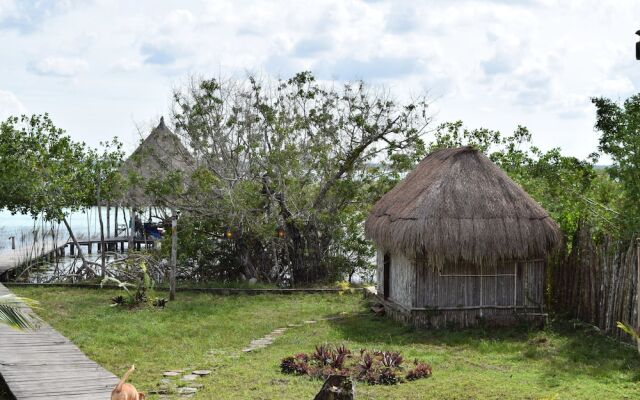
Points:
(46, 365)
(12, 258)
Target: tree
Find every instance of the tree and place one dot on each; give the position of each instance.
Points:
(297, 157)
(619, 127)
(44, 172)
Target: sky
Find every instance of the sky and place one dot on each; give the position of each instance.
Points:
(108, 68)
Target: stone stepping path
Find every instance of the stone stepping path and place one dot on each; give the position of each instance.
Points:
(264, 341)
(190, 377)
(271, 337)
(169, 385)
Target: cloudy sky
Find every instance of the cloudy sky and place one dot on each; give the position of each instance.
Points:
(105, 68)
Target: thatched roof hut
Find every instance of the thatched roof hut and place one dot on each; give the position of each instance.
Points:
(457, 213)
(158, 160)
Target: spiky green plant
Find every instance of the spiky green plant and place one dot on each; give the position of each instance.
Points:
(13, 314)
(629, 330)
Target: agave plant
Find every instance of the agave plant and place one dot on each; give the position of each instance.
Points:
(13, 314)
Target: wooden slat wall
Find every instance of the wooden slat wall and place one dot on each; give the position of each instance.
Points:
(439, 290)
(597, 282)
(380, 272)
(402, 280)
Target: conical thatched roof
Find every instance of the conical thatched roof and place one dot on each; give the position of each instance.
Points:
(157, 159)
(458, 206)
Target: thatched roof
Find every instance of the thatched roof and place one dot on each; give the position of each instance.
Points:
(458, 206)
(156, 159)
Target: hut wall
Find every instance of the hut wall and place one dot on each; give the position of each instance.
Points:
(380, 271)
(463, 294)
(402, 279)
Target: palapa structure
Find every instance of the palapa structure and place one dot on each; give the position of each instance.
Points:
(156, 172)
(156, 160)
(460, 242)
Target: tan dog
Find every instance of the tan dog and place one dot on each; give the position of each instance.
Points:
(126, 391)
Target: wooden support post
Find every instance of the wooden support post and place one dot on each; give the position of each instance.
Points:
(89, 247)
(122, 247)
(13, 242)
(99, 247)
(174, 254)
(71, 249)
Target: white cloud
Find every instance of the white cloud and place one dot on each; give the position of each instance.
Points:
(490, 63)
(59, 66)
(10, 105)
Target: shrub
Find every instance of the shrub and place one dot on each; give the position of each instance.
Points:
(421, 370)
(375, 368)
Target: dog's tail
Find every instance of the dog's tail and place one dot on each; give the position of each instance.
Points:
(124, 378)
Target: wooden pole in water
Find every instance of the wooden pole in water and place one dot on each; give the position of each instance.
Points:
(174, 254)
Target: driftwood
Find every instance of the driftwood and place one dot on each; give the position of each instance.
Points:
(597, 282)
(336, 387)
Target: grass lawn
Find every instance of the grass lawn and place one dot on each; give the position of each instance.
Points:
(205, 331)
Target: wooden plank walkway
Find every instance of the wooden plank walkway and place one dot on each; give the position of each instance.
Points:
(12, 258)
(46, 365)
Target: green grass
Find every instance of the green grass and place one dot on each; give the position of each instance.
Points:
(208, 332)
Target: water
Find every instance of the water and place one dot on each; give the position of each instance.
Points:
(31, 233)
(26, 229)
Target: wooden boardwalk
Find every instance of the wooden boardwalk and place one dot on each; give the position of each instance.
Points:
(46, 365)
(12, 258)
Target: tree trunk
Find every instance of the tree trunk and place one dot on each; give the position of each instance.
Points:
(108, 220)
(132, 229)
(103, 260)
(115, 223)
(85, 263)
(174, 254)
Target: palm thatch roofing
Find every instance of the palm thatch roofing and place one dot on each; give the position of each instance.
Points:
(161, 161)
(458, 206)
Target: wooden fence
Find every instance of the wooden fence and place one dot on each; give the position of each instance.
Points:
(596, 282)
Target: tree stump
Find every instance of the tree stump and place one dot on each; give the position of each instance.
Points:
(336, 387)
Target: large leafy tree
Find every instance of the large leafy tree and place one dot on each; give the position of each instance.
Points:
(43, 172)
(290, 167)
(619, 127)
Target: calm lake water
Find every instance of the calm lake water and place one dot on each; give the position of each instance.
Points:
(26, 229)
(32, 232)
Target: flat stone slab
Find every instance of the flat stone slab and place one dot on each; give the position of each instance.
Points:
(310, 322)
(190, 377)
(187, 390)
(201, 372)
(171, 373)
